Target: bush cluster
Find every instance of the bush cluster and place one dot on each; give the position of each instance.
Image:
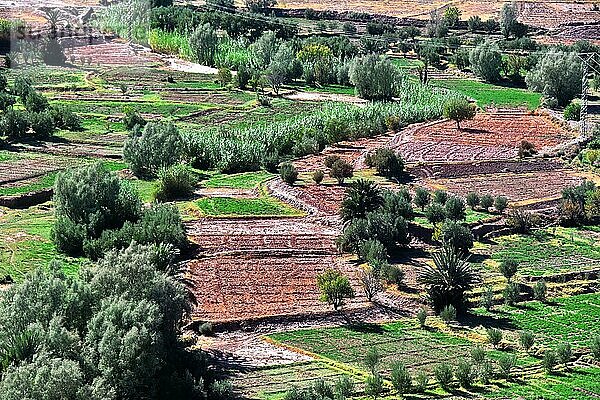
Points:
(110, 333)
(97, 212)
(39, 120)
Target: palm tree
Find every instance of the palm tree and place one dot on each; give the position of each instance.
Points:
(362, 197)
(448, 279)
(17, 348)
(53, 16)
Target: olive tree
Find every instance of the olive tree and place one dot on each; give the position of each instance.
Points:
(335, 288)
(158, 145)
(458, 110)
(557, 75)
(486, 62)
(375, 78)
(204, 43)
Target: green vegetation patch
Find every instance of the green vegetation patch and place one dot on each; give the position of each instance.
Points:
(272, 382)
(245, 207)
(407, 63)
(33, 185)
(247, 180)
(25, 243)
(486, 94)
(573, 319)
(419, 349)
(550, 251)
(164, 108)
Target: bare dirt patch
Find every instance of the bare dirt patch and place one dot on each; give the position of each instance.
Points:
(113, 53)
(490, 136)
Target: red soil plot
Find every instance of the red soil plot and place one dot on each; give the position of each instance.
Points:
(261, 267)
(488, 136)
(531, 186)
(112, 53)
(245, 286)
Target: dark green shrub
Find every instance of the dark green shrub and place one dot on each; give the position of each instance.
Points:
(486, 372)
(400, 378)
(473, 200)
(500, 204)
(14, 124)
(372, 251)
(457, 236)
(340, 170)
(64, 118)
(362, 197)
(133, 119)
(6, 101)
(465, 374)
(440, 197)
(422, 317)
(330, 160)
(422, 198)
(572, 112)
(397, 204)
(540, 290)
(455, 209)
(520, 221)
(42, 124)
(486, 201)
(175, 182)
(288, 173)
(88, 201)
(392, 274)
(344, 387)
(158, 145)
(374, 385)
(508, 268)
(487, 298)
(595, 347)
(421, 381)
(564, 353)
(549, 361)
(478, 355)
(206, 329)
(35, 102)
(448, 313)
(526, 340)
(221, 390)
(494, 336)
(443, 375)
(372, 359)
(506, 364)
(318, 176)
(435, 213)
(322, 389)
(386, 162)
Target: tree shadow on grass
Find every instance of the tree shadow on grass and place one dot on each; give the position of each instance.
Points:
(496, 321)
(365, 327)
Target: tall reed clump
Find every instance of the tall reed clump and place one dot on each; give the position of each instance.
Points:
(265, 146)
(129, 19)
(170, 43)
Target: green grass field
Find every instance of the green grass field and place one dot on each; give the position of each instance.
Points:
(25, 243)
(246, 180)
(486, 94)
(263, 206)
(550, 251)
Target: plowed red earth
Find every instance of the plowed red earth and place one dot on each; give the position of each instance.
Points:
(263, 267)
(487, 137)
(538, 185)
(112, 53)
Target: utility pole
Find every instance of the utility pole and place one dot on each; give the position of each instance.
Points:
(589, 64)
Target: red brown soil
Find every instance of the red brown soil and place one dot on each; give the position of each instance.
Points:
(489, 136)
(112, 53)
(517, 187)
(26, 168)
(262, 267)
